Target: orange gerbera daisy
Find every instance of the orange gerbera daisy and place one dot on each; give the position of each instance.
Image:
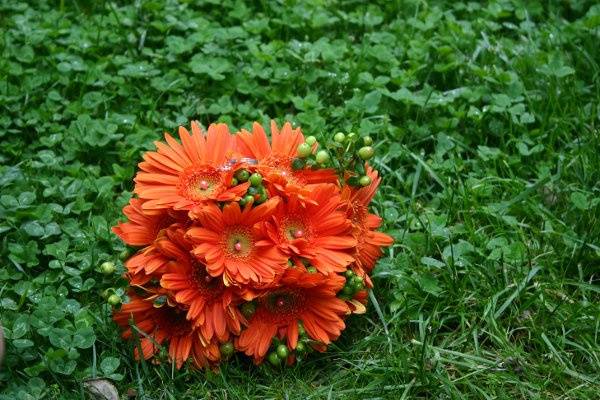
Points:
(152, 261)
(209, 301)
(275, 159)
(369, 241)
(317, 230)
(302, 297)
(160, 321)
(142, 226)
(182, 175)
(234, 245)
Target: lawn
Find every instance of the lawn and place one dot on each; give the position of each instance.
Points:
(485, 117)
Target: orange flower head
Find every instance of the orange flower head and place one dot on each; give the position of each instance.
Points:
(208, 301)
(234, 245)
(161, 323)
(183, 175)
(301, 297)
(275, 159)
(317, 230)
(369, 241)
(152, 261)
(143, 226)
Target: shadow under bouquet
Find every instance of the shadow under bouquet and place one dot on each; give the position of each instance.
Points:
(247, 244)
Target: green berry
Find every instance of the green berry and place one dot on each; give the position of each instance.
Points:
(273, 359)
(297, 163)
(226, 349)
(249, 199)
(311, 140)
(282, 351)
(358, 283)
(124, 254)
(114, 299)
(339, 137)
(304, 150)
(248, 309)
(107, 292)
(255, 179)
(351, 136)
(366, 152)
(322, 157)
(311, 270)
(367, 140)
(242, 175)
(349, 273)
(234, 182)
(107, 267)
(252, 191)
(263, 197)
(300, 347)
(348, 290)
(364, 181)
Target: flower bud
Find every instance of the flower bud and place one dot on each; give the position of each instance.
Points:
(282, 351)
(297, 163)
(248, 309)
(322, 157)
(339, 137)
(367, 140)
(255, 179)
(364, 181)
(304, 150)
(311, 140)
(107, 267)
(366, 152)
(114, 299)
(273, 358)
(226, 349)
(242, 175)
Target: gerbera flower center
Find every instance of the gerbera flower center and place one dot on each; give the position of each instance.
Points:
(285, 304)
(294, 227)
(199, 183)
(173, 320)
(205, 283)
(238, 242)
(280, 166)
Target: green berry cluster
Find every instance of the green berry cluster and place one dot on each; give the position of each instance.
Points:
(352, 151)
(305, 156)
(256, 193)
(353, 285)
(279, 351)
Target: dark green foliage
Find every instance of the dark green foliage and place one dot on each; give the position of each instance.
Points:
(484, 118)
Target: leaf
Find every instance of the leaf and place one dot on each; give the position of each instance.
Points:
(109, 365)
(429, 284)
(33, 228)
(213, 67)
(371, 101)
(84, 337)
(580, 200)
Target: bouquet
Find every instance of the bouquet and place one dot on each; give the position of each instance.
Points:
(249, 245)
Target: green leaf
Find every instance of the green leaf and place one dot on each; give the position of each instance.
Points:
(580, 200)
(109, 365)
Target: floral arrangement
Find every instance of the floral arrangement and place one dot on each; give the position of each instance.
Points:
(245, 244)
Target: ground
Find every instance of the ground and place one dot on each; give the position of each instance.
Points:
(485, 117)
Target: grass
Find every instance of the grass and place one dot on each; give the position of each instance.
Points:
(486, 123)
